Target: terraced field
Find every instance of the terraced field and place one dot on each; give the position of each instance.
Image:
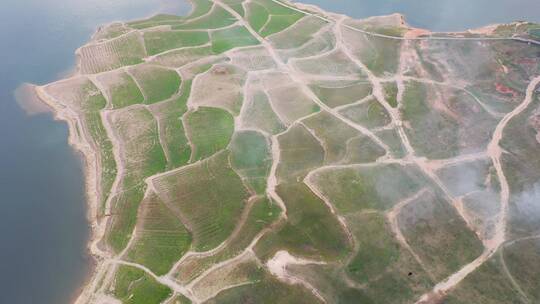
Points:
(259, 151)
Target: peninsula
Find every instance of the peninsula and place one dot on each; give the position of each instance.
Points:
(263, 151)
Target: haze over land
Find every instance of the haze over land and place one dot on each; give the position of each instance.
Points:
(262, 152)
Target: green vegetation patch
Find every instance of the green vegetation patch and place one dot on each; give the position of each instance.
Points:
(157, 20)
(210, 130)
(180, 57)
(362, 149)
(432, 133)
(216, 18)
(436, 232)
(278, 23)
(173, 133)
(339, 96)
(209, 198)
(232, 37)
(487, 284)
(236, 5)
(112, 54)
(257, 15)
(92, 103)
(160, 41)
(123, 90)
(370, 114)
(251, 158)
(334, 63)
(391, 138)
(161, 238)
(311, 229)
(390, 93)
(391, 273)
(297, 35)
(157, 83)
(258, 114)
(134, 286)
(368, 187)
(262, 214)
(268, 290)
(333, 133)
(523, 261)
(379, 54)
(300, 152)
(143, 156)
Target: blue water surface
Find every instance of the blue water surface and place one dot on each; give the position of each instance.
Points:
(43, 226)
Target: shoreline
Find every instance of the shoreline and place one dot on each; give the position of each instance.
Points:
(91, 169)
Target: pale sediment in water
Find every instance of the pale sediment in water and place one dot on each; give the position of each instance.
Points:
(27, 99)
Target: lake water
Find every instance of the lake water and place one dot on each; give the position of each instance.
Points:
(439, 15)
(43, 228)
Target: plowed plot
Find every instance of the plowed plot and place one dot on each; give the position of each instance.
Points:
(208, 197)
(111, 31)
(161, 239)
(219, 87)
(468, 177)
(311, 229)
(367, 187)
(157, 83)
(288, 100)
(322, 43)
(160, 41)
(333, 133)
(488, 284)
(362, 149)
(134, 286)
(387, 272)
(210, 130)
(172, 134)
(523, 262)
(265, 291)
(444, 123)
(137, 131)
(335, 96)
(181, 57)
(82, 97)
(244, 271)
(370, 114)
(267, 17)
(258, 114)
(121, 89)
(142, 155)
(216, 18)
(251, 159)
(380, 55)
(299, 34)
(112, 54)
(230, 38)
(335, 63)
(522, 169)
(382, 263)
(252, 59)
(391, 138)
(300, 152)
(436, 232)
(261, 215)
(236, 5)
